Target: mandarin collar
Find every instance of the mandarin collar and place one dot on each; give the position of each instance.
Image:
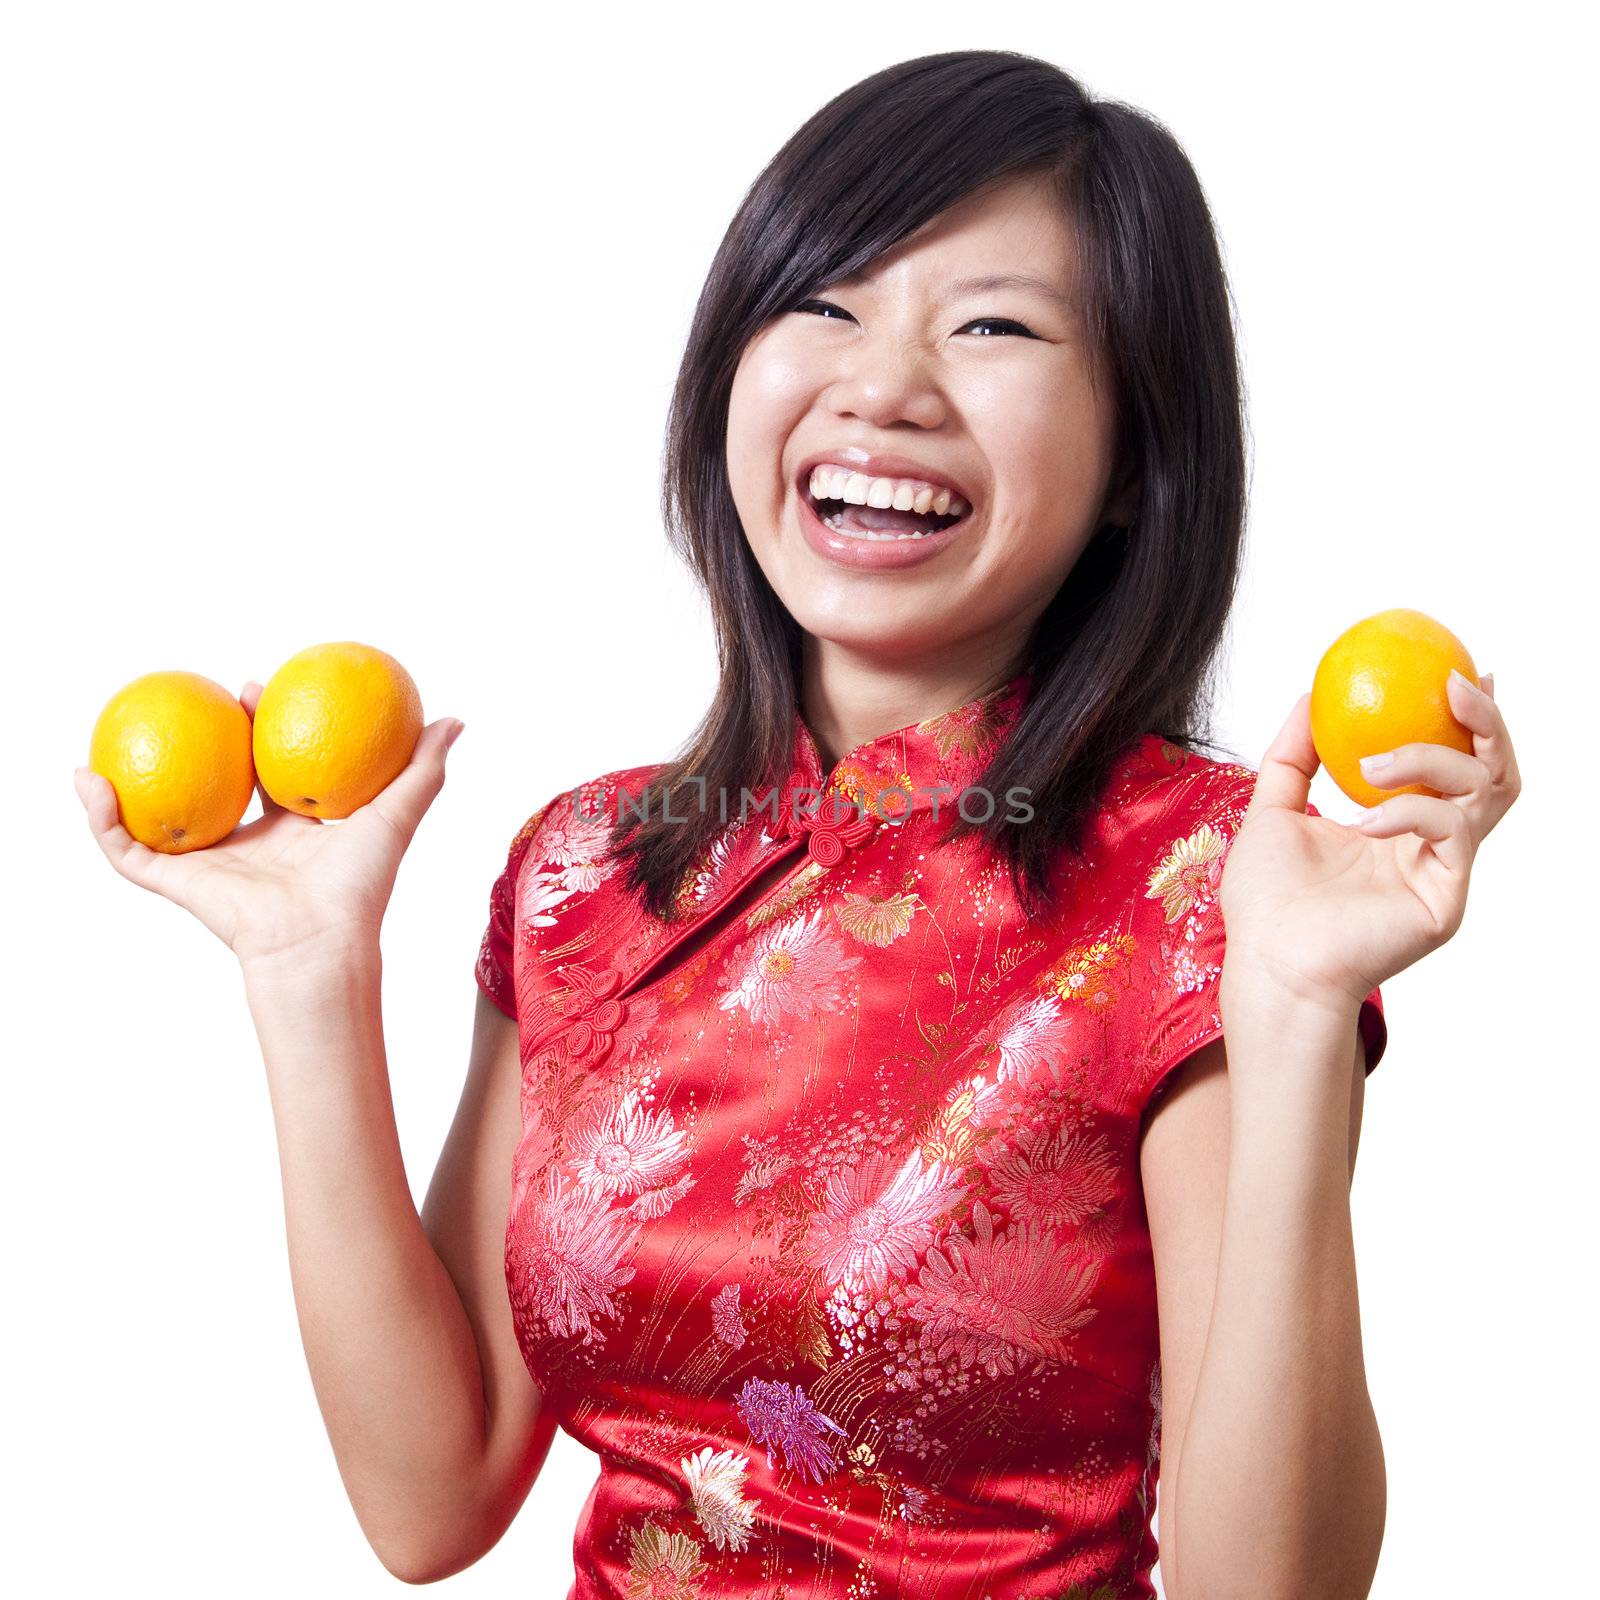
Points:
(909, 768)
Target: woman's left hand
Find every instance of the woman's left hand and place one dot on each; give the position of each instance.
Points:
(1329, 910)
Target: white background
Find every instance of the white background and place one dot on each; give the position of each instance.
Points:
(340, 321)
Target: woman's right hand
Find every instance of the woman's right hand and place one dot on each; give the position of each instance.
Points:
(284, 882)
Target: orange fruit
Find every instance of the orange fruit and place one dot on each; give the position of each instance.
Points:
(335, 724)
(1381, 684)
(176, 749)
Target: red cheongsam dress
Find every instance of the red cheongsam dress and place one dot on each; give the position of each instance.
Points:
(826, 1229)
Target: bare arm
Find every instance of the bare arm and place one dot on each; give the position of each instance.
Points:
(1272, 1476)
(434, 1420)
(1277, 1483)
(464, 1215)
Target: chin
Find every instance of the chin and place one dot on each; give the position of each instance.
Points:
(891, 633)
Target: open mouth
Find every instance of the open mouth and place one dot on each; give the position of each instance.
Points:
(878, 524)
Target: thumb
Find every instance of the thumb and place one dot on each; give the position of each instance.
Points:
(1289, 764)
(409, 794)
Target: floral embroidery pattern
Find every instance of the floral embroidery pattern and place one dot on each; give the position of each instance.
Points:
(1085, 974)
(726, 1321)
(780, 1417)
(571, 1258)
(1031, 1036)
(882, 794)
(878, 1216)
(627, 1149)
(664, 1566)
(1190, 873)
(578, 845)
(970, 730)
(1002, 1299)
(836, 1253)
(877, 919)
(716, 1491)
(793, 969)
(542, 892)
(1056, 1179)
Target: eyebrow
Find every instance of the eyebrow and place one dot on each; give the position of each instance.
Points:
(989, 282)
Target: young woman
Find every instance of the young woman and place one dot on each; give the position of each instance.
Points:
(870, 1146)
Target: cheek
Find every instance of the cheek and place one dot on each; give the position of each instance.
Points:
(770, 393)
(1048, 448)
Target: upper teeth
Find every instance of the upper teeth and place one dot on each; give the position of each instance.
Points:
(903, 494)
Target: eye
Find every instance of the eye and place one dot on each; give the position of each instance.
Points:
(1007, 324)
(826, 305)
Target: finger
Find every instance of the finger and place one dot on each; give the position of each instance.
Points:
(1476, 711)
(248, 698)
(1472, 706)
(402, 804)
(136, 862)
(1449, 771)
(1289, 764)
(1442, 823)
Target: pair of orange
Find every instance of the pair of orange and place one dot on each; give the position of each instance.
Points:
(334, 725)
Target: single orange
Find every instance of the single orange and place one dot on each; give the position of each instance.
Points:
(176, 749)
(1382, 684)
(335, 725)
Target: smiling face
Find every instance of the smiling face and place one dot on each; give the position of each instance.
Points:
(917, 384)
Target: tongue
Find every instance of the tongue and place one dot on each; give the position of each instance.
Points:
(884, 519)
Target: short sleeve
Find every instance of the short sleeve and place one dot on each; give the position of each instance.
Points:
(496, 964)
(1186, 942)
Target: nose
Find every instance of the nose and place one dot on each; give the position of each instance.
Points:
(885, 380)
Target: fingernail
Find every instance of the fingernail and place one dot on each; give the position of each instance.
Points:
(1369, 814)
(1488, 684)
(454, 734)
(1371, 764)
(1462, 678)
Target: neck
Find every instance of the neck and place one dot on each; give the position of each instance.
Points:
(848, 698)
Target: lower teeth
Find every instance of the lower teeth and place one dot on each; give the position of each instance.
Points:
(835, 520)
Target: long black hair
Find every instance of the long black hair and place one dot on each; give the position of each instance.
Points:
(1127, 645)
